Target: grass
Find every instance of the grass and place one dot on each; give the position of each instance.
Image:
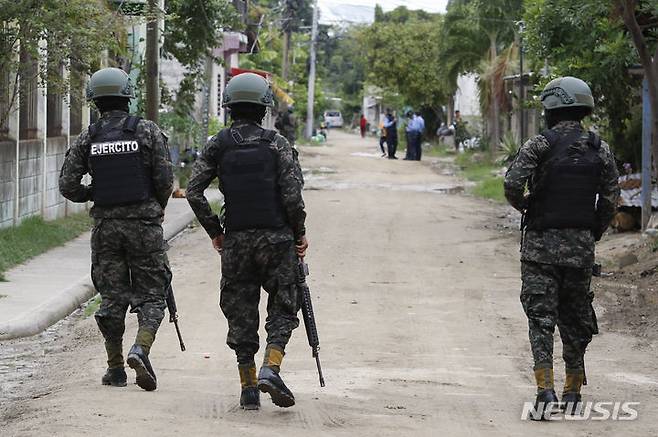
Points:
(478, 168)
(35, 236)
(438, 150)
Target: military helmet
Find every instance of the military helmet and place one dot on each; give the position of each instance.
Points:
(566, 92)
(248, 88)
(110, 82)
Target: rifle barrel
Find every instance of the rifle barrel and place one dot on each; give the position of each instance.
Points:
(317, 361)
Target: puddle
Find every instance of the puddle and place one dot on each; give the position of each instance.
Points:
(367, 155)
(318, 171)
(450, 190)
(323, 183)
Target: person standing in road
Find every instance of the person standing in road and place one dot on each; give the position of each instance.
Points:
(261, 237)
(363, 125)
(391, 126)
(419, 128)
(382, 137)
(287, 125)
(571, 177)
(409, 130)
(131, 181)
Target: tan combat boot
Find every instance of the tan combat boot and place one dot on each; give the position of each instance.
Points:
(571, 398)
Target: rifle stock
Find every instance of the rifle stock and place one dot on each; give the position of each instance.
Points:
(309, 317)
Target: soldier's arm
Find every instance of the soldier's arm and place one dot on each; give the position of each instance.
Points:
(606, 205)
(74, 168)
(291, 184)
(162, 173)
(203, 173)
(522, 169)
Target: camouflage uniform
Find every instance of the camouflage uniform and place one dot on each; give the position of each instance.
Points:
(557, 263)
(255, 258)
(129, 260)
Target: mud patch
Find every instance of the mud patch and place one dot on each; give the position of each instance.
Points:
(21, 359)
(628, 295)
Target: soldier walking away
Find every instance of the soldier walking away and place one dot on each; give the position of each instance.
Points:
(571, 177)
(287, 125)
(131, 181)
(261, 237)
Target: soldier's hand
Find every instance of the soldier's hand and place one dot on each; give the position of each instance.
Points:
(218, 242)
(301, 247)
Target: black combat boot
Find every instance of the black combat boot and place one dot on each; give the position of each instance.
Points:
(115, 377)
(270, 382)
(545, 404)
(250, 396)
(138, 360)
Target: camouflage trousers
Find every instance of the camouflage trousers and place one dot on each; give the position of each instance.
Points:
(250, 260)
(558, 295)
(129, 269)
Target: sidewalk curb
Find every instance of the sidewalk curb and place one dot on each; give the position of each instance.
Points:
(65, 302)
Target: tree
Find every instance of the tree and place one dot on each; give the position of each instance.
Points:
(588, 40)
(497, 20)
(76, 31)
(342, 64)
(645, 41)
(192, 45)
(407, 62)
(461, 46)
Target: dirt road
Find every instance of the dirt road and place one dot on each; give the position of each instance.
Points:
(422, 333)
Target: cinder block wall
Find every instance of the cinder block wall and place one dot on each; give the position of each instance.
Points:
(7, 177)
(31, 182)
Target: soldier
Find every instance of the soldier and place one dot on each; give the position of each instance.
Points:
(571, 178)
(287, 125)
(261, 236)
(131, 181)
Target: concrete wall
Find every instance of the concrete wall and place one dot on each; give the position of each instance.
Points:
(7, 179)
(32, 199)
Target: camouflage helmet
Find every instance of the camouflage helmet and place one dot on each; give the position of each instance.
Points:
(567, 92)
(110, 82)
(248, 88)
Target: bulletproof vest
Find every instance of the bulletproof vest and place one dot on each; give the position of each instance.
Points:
(248, 173)
(566, 196)
(119, 175)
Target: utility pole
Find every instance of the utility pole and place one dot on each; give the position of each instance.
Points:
(646, 154)
(287, 36)
(311, 74)
(152, 61)
(521, 86)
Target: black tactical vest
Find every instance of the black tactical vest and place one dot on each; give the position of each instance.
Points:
(566, 197)
(248, 173)
(119, 175)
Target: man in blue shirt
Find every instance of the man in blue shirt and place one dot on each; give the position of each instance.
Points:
(391, 127)
(409, 132)
(418, 129)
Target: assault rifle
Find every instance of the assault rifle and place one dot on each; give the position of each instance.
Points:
(173, 314)
(309, 317)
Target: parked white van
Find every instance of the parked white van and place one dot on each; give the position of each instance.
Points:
(333, 118)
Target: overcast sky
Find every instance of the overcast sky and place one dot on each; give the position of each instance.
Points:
(359, 10)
